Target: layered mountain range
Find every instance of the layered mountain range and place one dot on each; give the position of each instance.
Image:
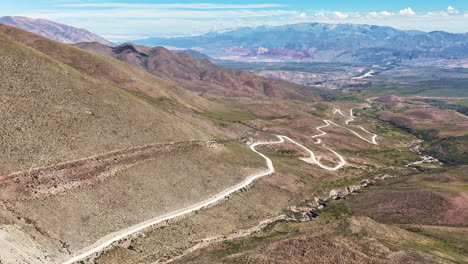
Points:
(323, 42)
(53, 30)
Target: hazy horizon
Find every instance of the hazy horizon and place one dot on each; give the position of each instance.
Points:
(150, 18)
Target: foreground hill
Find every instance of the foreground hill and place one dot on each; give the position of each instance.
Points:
(111, 71)
(324, 42)
(54, 112)
(53, 30)
(420, 218)
(89, 154)
(92, 145)
(200, 75)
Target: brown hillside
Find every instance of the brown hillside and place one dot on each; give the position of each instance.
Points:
(202, 76)
(53, 113)
(109, 70)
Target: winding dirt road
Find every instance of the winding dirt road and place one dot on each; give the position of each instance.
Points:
(365, 75)
(313, 160)
(108, 240)
(351, 119)
(114, 237)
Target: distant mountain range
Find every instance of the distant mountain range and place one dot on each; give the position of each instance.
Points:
(323, 42)
(55, 31)
(315, 42)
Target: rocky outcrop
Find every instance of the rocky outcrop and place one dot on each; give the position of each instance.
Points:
(311, 209)
(302, 213)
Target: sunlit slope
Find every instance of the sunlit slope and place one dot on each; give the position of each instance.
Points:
(52, 113)
(111, 71)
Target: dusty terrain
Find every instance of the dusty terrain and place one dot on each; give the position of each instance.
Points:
(113, 146)
(336, 235)
(98, 210)
(74, 143)
(60, 114)
(294, 182)
(48, 181)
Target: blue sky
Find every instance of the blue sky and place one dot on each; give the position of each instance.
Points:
(121, 20)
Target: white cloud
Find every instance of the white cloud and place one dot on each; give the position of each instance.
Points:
(331, 15)
(320, 15)
(381, 14)
(437, 14)
(172, 6)
(301, 16)
(339, 15)
(373, 14)
(452, 10)
(407, 12)
(385, 13)
(404, 19)
(156, 13)
(148, 20)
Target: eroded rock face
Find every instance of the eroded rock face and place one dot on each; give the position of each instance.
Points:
(338, 194)
(354, 188)
(312, 208)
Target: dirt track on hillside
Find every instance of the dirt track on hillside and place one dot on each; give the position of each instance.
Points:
(60, 178)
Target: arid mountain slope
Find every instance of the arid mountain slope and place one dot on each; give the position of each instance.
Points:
(85, 136)
(110, 71)
(202, 76)
(53, 30)
(53, 113)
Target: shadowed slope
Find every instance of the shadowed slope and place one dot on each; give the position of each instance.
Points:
(200, 75)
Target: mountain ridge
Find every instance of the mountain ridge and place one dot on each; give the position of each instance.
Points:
(200, 75)
(53, 30)
(323, 42)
